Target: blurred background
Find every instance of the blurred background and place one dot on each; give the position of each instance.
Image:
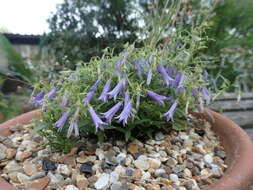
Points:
(40, 39)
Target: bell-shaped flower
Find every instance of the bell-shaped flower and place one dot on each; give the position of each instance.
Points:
(126, 98)
(180, 89)
(178, 80)
(171, 70)
(111, 112)
(96, 119)
(149, 77)
(166, 78)
(73, 126)
(38, 99)
(206, 95)
(178, 44)
(171, 112)
(89, 96)
(104, 95)
(126, 113)
(51, 93)
(64, 101)
(158, 98)
(61, 122)
(114, 93)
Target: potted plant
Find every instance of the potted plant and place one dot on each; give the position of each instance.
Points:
(126, 121)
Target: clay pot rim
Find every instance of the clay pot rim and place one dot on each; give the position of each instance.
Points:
(239, 174)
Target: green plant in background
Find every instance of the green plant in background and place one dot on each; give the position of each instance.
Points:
(15, 60)
(232, 31)
(130, 95)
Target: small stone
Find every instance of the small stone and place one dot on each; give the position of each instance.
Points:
(145, 176)
(120, 170)
(200, 132)
(159, 136)
(10, 153)
(82, 183)
(71, 161)
(129, 172)
(116, 186)
(208, 158)
(48, 165)
(205, 173)
(174, 178)
(165, 181)
(159, 172)
(12, 166)
(216, 171)
(220, 154)
(24, 156)
(2, 151)
(63, 169)
(152, 187)
(187, 173)
(102, 182)
(13, 177)
(114, 177)
(55, 179)
(86, 168)
(142, 164)
(121, 158)
(192, 185)
(29, 169)
(137, 174)
(39, 184)
(138, 188)
(177, 170)
(132, 148)
(38, 175)
(171, 162)
(71, 187)
(81, 160)
(154, 163)
(22, 178)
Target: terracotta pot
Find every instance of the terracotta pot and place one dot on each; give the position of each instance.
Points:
(237, 143)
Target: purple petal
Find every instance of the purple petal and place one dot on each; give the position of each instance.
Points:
(73, 126)
(171, 112)
(38, 99)
(171, 70)
(96, 119)
(159, 98)
(61, 122)
(149, 78)
(178, 44)
(111, 112)
(178, 80)
(206, 95)
(104, 95)
(89, 96)
(114, 93)
(164, 74)
(126, 113)
(51, 93)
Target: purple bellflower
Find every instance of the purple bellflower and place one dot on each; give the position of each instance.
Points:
(61, 122)
(126, 113)
(64, 101)
(195, 94)
(149, 77)
(89, 96)
(179, 89)
(104, 95)
(206, 95)
(164, 74)
(96, 119)
(51, 93)
(171, 112)
(73, 126)
(111, 112)
(126, 99)
(159, 98)
(38, 99)
(114, 93)
(171, 71)
(178, 44)
(178, 80)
